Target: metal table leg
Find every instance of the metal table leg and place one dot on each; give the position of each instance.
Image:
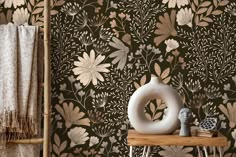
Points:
(148, 151)
(205, 150)
(144, 151)
(214, 151)
(220, 151)
(130, 151)
(198, 151)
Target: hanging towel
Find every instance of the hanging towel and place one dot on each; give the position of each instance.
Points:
(18, 82)
(27, 79)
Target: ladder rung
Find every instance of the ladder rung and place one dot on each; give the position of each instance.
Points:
(27, 141)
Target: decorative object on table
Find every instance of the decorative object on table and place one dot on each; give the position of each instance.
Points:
(185, 117)
(208, 124)
(152, 90)
(211, 133)
(207, 127)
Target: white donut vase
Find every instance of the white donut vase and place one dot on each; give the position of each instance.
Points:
(153, 90)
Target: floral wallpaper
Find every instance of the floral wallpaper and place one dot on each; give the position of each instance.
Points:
(103, 50)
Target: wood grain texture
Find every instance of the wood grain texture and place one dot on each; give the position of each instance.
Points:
(47, 80)
(27, 141)
(137, 139)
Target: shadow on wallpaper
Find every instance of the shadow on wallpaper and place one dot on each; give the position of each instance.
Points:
(103, 50)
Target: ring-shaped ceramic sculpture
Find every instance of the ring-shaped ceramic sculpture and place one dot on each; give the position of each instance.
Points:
(154, 89)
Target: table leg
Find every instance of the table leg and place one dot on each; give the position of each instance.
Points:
(205, 150)
(198, 151)
(130, 151)
(220, 151)
(214, 151)
(148, 151)
(144, 151)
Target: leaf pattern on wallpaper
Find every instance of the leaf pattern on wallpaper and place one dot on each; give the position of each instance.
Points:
(59, 147)
(224, 49)
(196, 46)
(36, 8)
(143, 20)
(74, 8)
(189, 44)
(140, 83)
(230, 8)
(163, 74)
(65, 46)
(204, 9)
(119, 91)
(74, 92)
(218, 65)
(139, 150)
(155, 110)
(119, 23)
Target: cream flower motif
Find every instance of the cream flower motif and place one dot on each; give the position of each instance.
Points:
(176, 151)
(72, 115)
(184, 17)
(171, 44)
(88, 68)
(165, 27)
(20, 16)
(71, 9)
(234, 136)
(77, 135)
(172, 3)
(93, 140)
(9, 3)
(229, 112)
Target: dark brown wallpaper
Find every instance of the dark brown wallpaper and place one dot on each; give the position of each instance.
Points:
(103, 50)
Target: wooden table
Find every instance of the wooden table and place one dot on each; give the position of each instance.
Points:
(147, 140)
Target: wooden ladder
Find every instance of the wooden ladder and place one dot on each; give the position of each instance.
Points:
(45, 140)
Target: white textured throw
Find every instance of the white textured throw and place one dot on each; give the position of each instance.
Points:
(18, 82)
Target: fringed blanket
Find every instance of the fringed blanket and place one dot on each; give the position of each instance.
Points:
(18, 82)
